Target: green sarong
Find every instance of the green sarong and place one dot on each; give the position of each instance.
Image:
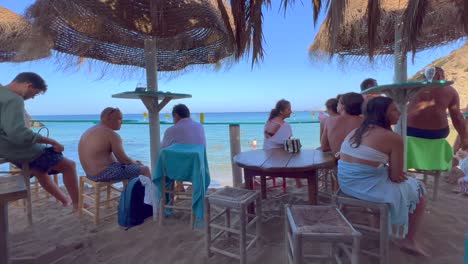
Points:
(428, 154)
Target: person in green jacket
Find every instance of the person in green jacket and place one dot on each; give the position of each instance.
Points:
(19, 144)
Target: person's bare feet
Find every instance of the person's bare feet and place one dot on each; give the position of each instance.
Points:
(412, 247)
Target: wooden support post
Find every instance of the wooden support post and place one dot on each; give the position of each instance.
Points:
(234, 139)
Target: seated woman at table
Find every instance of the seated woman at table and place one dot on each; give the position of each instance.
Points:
(276, 130)
(337, 127)
(371, 168)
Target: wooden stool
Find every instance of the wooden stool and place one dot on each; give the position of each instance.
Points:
(320, 224)
(176, 199)
(37, 192)
(434, 173)
(380, 233)
(96, 198)
(26, 174)
(233, 198)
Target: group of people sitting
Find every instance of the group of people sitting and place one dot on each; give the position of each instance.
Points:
(370, 154)
(100, 148)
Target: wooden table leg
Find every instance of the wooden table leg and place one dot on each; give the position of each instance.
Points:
(248, 178)
(312, 185)
(3, 232)
(263, 186)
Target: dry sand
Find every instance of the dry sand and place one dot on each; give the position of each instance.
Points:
(67, 238)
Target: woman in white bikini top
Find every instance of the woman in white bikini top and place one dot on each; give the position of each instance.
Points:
(276, 130)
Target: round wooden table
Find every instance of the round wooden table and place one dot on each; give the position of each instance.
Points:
(280, 163)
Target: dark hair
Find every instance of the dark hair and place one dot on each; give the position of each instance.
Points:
(33, 78)
(352, 103)
(332, 104)
(366, 83)
(181, 110)
(108, 111)
(438, 71)
(281, 105)
(375, 115)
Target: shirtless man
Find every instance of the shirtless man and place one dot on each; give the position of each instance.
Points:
(427, 113)
(337, 127)
(366, 84)
(101, 152)
(331, 105)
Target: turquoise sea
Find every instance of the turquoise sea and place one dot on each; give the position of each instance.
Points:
(67, 129)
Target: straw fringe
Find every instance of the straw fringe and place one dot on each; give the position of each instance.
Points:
(441, 23)
(413, 18)
(14, 32)
(187, 32)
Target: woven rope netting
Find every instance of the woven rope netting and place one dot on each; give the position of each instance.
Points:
(187, 32)
(440, 26)
(15, 30)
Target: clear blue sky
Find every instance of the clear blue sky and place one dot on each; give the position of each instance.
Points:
(286, 72)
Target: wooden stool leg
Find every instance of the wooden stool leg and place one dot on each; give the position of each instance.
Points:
(26, 175)
(97, 202)
(227, 221)
(207, 227)
(242, 242)
(297, 244)
(108, 195)
(355, 251)
(436, 186)
(287, 233)
(258, 213)
(384, 237)
(81, 194)
(284, 185)
(162, 202)
(3, 232)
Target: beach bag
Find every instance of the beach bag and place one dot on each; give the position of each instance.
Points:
(132, 210)
(292, 145)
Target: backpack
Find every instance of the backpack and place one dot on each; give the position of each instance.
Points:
(132, 210)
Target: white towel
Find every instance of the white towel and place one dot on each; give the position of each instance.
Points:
(148, 184)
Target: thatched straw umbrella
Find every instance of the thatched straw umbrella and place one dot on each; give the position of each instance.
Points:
(157, 35)
(14, 30)
(248, 19)
(439, 27)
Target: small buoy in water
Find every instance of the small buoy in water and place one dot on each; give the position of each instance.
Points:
(254, 143)
(202, 118)
(145, 115)
(166, 116)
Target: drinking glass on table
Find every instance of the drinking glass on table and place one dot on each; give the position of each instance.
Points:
(429, 73)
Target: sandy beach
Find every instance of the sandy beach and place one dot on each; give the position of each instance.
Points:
(58, 236)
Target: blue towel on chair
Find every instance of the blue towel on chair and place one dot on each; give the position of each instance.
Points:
(185, 162)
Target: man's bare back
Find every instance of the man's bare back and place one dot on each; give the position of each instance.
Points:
(429, 109)
(95, 149)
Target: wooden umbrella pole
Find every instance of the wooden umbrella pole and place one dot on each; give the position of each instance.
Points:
(400, 75)
(152, 104)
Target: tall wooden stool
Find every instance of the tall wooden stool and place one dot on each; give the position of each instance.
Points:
(96, 197)
(37, 192)
(26, 174)
(434, 173)
(379, 232)
(319, 224)
(233, 198)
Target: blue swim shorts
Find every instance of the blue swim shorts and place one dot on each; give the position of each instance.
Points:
(117, 171)
(45, 161)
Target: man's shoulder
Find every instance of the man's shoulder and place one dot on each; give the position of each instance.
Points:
(6, 95)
